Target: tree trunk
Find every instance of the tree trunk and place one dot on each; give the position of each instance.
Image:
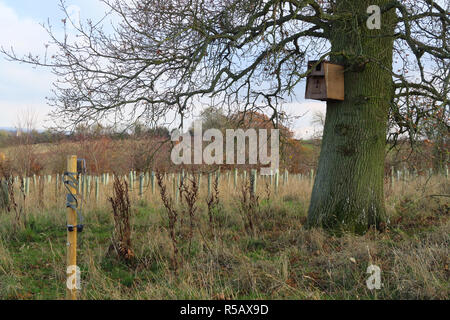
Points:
(348, 190)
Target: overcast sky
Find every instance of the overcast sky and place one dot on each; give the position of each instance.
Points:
(23, 87)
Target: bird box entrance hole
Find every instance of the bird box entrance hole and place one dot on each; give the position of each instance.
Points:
(325, 81)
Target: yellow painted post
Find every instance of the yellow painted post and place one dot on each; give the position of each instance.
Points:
(72, 235)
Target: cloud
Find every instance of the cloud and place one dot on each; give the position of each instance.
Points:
(21, 33)
(21, 85)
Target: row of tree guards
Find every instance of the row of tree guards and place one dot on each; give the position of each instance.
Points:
(89, 186)
(140, 181)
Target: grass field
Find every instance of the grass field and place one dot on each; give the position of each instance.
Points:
(278, 259)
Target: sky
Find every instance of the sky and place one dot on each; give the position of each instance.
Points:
(23, 87)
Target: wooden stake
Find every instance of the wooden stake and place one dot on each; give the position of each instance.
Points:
(72, 235)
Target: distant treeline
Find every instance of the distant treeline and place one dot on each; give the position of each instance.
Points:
(10, 138)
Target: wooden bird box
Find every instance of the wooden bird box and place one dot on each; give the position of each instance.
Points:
(325, 82)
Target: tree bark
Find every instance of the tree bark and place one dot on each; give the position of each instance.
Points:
(348, 191)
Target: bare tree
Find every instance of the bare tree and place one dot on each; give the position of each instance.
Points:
(318, 120)
(165, 56)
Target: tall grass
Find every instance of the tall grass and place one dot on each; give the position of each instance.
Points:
(217, 258)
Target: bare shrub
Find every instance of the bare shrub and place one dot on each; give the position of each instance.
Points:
(189, 189)
(249, 208)
(213, 203)
(8, 199)
(4, 195)
(268, 190)
(172, 215)
(120, 202)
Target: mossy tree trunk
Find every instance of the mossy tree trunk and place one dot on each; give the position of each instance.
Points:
(348, 190)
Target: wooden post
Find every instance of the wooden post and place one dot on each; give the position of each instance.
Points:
(235, 177)
(72, 235)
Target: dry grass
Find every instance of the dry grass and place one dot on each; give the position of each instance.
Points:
(219, 260)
